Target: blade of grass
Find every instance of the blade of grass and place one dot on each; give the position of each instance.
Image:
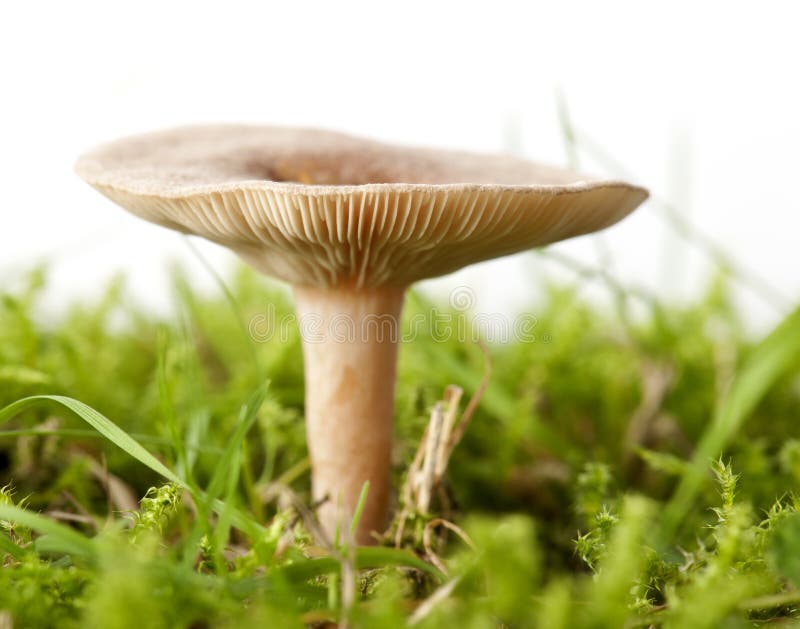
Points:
(362, 498)
(768, 362)
(123, 440)
(247, 418)
(225, 479)
(8, 547)
(60, 538)
(236, 309)
(101, 424)
(81, 433)
(168, 408)
(745, 276)
(196, 430)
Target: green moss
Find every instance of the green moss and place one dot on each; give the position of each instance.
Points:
(565, 482)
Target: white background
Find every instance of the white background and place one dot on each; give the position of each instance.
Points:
(698, 100)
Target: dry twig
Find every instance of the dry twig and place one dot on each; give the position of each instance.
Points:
(427, 542)
(444, 432)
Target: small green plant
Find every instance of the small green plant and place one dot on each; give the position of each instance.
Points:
(620, 475)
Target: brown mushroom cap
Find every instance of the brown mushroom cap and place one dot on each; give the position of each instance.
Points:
(319, 208)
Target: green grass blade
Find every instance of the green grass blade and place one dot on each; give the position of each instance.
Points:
(168, 408)
(225, 479)
(60, 538)
(101, 424)
(196, 430)
(81, 433)
(8, 547)
(236, 309)
(233, 457)
(769, 361)
(222, 478)
(119, 437)
(362, 498)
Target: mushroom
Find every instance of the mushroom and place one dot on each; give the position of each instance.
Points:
(350, 224)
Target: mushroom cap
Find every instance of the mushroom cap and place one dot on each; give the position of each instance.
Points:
(320, 208)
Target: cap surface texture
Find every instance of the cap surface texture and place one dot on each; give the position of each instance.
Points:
(319, 208)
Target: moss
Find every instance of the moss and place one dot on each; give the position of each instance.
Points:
(560, 483)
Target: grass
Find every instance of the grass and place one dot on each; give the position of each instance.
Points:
(618, 471)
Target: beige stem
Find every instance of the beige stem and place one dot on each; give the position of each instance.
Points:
(350, 341)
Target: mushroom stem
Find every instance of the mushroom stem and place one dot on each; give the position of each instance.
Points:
(350, 338)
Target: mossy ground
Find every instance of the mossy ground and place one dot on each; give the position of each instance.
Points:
(617, 472)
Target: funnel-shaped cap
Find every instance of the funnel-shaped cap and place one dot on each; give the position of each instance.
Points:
(319, 208)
